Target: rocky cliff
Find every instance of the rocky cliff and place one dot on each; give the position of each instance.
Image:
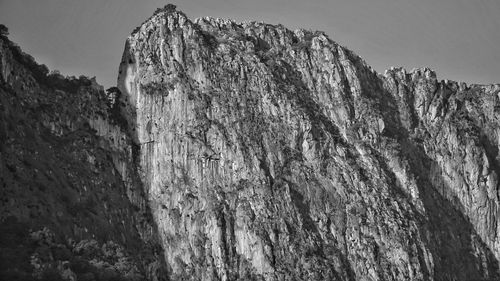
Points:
(262, 153)
(71, 204)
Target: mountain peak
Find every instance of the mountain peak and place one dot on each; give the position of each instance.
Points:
(246, 151)
(278, 146)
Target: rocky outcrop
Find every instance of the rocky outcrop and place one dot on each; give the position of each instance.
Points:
(272, 154)
(72, 206)
(245, 151)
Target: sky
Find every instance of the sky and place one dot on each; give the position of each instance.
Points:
(460, 39)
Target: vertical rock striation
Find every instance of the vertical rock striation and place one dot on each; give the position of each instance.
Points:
(245, 151)
(271, 154)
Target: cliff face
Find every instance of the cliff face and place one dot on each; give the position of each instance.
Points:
(273, 154)
(72, 205)
(245, 151)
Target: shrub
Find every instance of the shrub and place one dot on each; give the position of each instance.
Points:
(80, 265)
(51, 274)
(89, 276)
(4, 31)
(169, 8)
(61, 253)
(13, 232)
(40, 72)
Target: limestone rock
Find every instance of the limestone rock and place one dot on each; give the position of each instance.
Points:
(272, 154)
(248, 151)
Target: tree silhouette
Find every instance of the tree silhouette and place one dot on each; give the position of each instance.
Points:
(113, 94)
(170, 8)
(4, 31)
(113, 90)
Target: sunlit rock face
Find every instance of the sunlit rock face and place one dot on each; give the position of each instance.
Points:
(271, 154)
(245, 151)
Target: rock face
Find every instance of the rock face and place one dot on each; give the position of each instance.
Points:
(273, 154)
(259, 153)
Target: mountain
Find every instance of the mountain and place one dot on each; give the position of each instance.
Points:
(246, 151)
(72, 204)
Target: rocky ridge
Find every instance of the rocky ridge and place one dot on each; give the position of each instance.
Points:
(262, 153)
(71, 206)
(279, 155)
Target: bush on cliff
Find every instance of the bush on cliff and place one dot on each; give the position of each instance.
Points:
(4, 31)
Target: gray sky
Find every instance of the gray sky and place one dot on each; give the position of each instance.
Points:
(460, 39)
